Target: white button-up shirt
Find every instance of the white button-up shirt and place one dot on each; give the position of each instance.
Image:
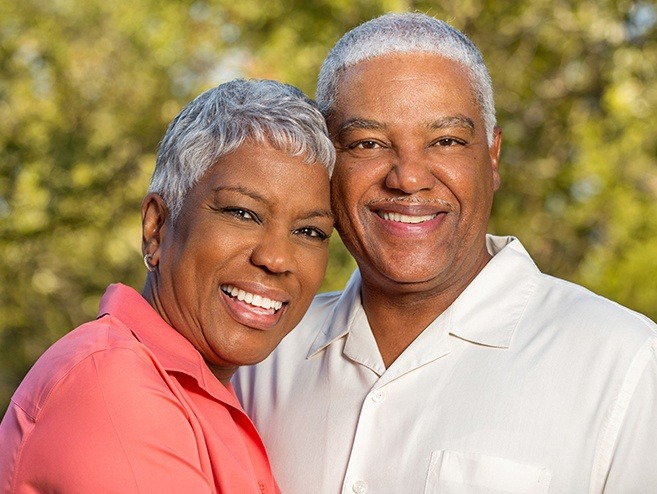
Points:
(525, 384)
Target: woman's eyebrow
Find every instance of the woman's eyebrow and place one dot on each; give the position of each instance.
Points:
(320, 213)
(316, 213)
(240, 190)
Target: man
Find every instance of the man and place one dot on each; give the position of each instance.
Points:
(449, 363)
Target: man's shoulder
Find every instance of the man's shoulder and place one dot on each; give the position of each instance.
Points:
(557, 300)
(569, 301)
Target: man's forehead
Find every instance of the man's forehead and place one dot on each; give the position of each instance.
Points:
(399, 57)
(392, 79)
(400, 69)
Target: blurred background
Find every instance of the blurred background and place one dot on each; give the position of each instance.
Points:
(87, 89)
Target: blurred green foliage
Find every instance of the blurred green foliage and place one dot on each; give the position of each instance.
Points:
(87, 89)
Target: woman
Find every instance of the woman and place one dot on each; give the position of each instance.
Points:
(235, 239)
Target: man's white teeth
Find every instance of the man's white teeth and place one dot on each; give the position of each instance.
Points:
(251, 299)
(402, 218)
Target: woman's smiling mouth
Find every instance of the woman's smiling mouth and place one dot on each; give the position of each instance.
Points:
(251, 298)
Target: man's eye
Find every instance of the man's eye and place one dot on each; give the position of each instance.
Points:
(312, 232)
(365, 145)
(449, 141)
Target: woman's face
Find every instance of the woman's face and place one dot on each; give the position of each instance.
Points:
(240, 265)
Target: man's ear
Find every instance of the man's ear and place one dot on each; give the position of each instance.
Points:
(154, 215)
(494, 153)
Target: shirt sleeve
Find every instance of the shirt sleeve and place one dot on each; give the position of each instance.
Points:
(628, 453)
(114, 423)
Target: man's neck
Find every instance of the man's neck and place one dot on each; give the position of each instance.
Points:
(398, 313)
(396, 321)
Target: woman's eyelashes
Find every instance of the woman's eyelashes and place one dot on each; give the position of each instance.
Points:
(241, 214)
(312, 232)
(247, 215)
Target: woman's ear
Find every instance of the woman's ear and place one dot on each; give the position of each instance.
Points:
(154, 215)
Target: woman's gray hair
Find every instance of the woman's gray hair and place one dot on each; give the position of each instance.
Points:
(221, 119)
(406, 33)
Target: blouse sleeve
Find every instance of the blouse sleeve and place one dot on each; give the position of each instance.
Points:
(111, 424)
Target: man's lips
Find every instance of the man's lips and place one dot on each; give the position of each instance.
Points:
(409, 213)
(404, 218)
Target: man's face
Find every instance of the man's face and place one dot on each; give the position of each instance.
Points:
(414, 180)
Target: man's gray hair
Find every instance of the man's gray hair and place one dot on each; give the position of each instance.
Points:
(221, 119)
(406, 33)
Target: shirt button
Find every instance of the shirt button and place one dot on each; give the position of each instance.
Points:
(378, 396)
(359, 487)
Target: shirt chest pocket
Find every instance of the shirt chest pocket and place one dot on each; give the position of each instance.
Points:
(453, 472)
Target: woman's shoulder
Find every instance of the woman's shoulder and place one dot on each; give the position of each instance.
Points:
(72, 355)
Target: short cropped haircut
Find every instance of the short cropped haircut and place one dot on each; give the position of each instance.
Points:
(221, 119)
(406, 33)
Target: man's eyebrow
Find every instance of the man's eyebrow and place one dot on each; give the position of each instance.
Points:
(358, 124)
(453, 121)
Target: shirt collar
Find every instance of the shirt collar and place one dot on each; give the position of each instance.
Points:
(172, 350)
(340, 320)
(486, 313)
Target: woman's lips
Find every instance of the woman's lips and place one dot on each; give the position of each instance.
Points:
(251, 309)
(251, 298)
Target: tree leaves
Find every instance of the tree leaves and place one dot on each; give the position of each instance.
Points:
(88, 88)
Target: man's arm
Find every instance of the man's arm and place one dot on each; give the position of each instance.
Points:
(626, 460)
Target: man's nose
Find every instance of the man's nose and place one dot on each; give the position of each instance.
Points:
(410, 172)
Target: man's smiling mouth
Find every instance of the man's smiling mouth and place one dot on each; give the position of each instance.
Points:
(404, 218)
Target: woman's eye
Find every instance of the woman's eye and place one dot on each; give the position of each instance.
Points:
(242, 214)
(312, 232)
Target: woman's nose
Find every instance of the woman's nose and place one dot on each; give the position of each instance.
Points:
(274, 253)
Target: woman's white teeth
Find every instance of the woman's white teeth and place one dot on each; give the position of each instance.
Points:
(251, 299)
(403, 218)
